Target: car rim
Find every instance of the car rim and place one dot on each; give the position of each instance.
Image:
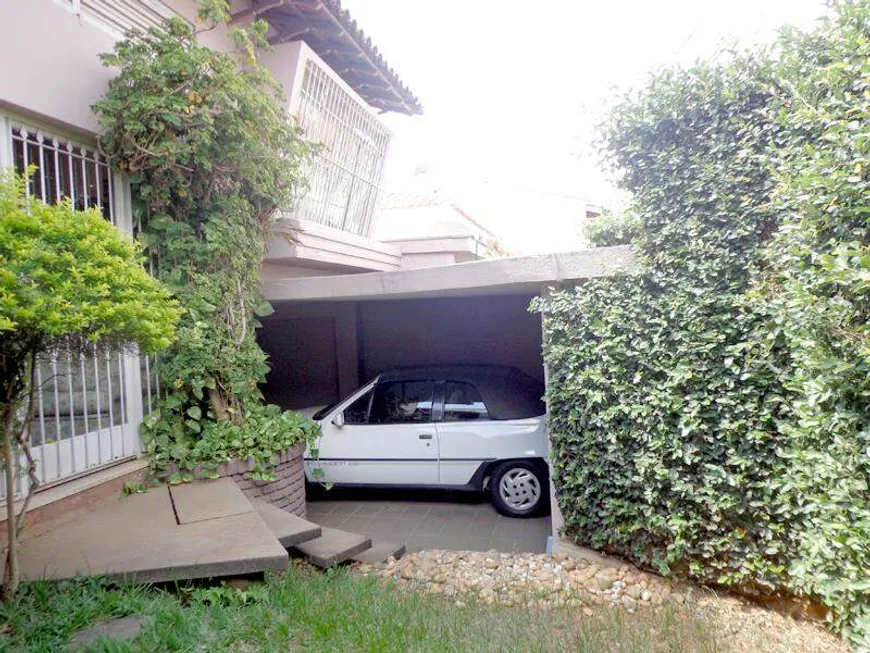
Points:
(519, 489)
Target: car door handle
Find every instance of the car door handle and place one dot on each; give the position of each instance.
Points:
(425, 436)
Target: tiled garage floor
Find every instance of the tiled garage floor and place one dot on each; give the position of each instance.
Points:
(428, 520)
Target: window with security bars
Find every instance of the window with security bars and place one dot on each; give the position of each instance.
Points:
(63, 168)
(118, 17)
(344, 178)
(81, 415)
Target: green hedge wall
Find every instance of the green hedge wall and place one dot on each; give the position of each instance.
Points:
(709, 414)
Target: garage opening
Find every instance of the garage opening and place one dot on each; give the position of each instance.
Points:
(321, 352)
(330, 334)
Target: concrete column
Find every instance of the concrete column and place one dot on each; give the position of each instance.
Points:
(346, 348)
(556, 519)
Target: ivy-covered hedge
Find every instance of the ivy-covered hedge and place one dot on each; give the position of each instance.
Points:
(709, 414)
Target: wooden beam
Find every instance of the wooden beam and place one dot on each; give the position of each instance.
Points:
(320, 12)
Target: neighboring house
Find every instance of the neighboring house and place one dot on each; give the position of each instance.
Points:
(335, 81)
(429, 228)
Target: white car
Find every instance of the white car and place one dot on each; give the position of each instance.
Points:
(470, 427)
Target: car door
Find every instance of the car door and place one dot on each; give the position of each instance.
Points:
(468, 437)
(385, 436)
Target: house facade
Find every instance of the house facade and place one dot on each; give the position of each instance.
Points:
(351, 300)
(336, 84)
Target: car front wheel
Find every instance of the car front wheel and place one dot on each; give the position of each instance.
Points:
(520, 489)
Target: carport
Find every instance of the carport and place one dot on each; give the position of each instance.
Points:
(331, 334)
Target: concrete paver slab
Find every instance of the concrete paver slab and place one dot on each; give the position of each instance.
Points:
(117, 629)
(137, 538)
(333, 547)
(379, 552)
(288, 528)
(208, 500)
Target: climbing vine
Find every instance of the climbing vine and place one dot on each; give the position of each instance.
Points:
(212, 155)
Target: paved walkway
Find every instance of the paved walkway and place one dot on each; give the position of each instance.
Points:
(428, 520)
(197, 530)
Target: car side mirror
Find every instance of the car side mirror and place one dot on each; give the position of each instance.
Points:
(338, 420)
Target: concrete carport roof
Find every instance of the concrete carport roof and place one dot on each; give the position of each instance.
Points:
(330, 334)
(498, 276)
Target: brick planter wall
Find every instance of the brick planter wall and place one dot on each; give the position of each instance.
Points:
(287, 491)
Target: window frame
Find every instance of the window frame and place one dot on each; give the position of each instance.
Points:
(344, 408)
(431, 419)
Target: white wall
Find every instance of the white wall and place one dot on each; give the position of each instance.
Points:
(50, 64)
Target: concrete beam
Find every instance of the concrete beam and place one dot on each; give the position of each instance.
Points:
(496, 276)
(302, 242)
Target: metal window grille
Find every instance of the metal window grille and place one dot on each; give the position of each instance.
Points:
(63, 168)
(118, 17)
(82, 414)
(344, 178)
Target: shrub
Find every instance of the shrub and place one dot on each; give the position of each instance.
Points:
(818, 295)
(663, 452)
(611, 229)
(67, 279)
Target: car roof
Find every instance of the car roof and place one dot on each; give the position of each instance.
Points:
(507, 392)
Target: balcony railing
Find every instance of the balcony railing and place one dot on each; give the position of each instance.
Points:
(344, 177)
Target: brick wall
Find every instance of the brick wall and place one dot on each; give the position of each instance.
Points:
(287, 491)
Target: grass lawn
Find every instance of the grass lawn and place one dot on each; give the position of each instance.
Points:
(304, 610)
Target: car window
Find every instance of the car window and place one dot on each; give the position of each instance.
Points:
(402, 402)
(358, 411)
(462, 402)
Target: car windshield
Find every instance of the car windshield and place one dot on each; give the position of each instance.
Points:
(323, 412)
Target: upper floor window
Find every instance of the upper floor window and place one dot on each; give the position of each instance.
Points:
(344, 179)
(120, 16)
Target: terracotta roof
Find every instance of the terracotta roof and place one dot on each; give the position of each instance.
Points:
(329, 30)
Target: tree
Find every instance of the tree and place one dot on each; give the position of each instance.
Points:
(67, 279)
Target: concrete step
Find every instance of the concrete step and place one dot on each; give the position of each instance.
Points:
(288, 528)
(379, 552)
(333, 547)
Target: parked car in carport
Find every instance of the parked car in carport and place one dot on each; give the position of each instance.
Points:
(469, 427)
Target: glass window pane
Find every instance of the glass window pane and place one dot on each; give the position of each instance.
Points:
(402, 402)
(462, 402)
(358, 411)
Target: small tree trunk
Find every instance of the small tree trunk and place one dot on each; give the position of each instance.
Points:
(219, 405)
(12, 442)
(11, 575)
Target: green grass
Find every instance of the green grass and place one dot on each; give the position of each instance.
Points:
(309, 611)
